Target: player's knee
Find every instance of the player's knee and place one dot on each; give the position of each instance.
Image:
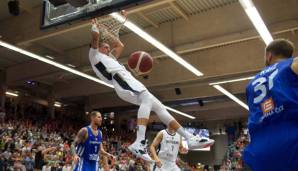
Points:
(158, 106)
(146, 97)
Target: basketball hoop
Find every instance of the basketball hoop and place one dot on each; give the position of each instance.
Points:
(109, 28)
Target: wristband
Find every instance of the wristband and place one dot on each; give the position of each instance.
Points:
(94, 28)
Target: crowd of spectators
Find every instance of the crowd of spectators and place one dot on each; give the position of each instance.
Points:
(35, 141)
(25, 146)
(29, 144)
(233, 158)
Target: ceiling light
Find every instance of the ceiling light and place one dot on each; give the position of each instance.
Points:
(257, 20)
(11, 94)
(50, 57)
(180, 113)
(156, 43)
(71, 65)
(58, 65)
(233, 80)
(57, 104)
(231, 96)
(32, 55)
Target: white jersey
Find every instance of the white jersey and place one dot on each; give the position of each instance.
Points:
(108, 69)
(169, 146)
(109, 65)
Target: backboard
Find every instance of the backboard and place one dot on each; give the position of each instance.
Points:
(54, 16)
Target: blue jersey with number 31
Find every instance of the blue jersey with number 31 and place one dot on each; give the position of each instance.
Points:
(273, 119)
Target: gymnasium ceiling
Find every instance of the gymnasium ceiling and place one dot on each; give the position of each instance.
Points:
(215, 36)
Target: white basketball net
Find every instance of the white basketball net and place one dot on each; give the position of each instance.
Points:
(109, 28)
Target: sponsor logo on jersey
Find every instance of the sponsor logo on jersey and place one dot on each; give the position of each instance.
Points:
(172, 142)
(267, 105)
(94, 142)
(276, 110)
(93, 156)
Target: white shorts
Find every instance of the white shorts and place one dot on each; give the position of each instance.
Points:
(167, 166)
(127, 87)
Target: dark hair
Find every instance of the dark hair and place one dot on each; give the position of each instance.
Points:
(281, 47)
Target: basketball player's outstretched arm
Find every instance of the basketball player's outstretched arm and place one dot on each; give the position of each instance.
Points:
(117, 47)
(153, 147)
(295, 65)
(94, 34)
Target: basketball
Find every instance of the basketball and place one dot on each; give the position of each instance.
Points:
(140, 62)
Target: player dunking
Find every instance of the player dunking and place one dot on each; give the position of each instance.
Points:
(169, 143)
(89, 145)
(104, 63)
(273, 111)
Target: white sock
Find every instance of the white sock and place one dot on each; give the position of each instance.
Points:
(184, 133)
(141, 131)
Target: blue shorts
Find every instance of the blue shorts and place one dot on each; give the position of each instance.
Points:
(86, 165)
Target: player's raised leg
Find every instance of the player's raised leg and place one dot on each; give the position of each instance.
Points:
(194, 142)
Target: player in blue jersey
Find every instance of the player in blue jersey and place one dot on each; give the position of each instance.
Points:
(273, 111)
(89, 145)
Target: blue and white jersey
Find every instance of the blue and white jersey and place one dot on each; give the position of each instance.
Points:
(88, 152)
(272, 97)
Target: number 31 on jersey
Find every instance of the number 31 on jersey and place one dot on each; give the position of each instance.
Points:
(260, 86)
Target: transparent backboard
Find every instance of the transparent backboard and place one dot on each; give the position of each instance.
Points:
(54, 16)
